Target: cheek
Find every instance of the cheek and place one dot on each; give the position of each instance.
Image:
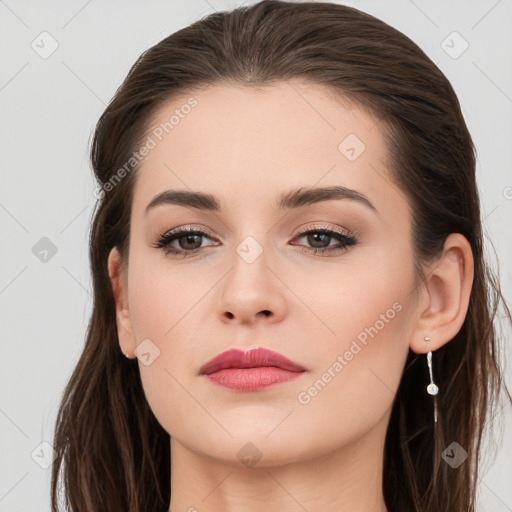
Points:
(162, 305)
(363, 300)
(357, 370)
(360, 329)
(160, 297)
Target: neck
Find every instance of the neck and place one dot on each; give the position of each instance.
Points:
(347, 479)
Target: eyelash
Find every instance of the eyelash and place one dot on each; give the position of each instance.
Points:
(163, 242)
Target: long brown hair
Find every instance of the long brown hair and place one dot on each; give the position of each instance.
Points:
(112, 453)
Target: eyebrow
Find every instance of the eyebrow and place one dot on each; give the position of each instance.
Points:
(296, 198)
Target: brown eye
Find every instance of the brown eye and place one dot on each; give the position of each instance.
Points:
(320, 239)
(189, 241)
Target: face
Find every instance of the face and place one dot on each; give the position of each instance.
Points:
(328, 283)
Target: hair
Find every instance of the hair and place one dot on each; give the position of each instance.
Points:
(112, 454)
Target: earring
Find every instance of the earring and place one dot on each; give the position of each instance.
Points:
(432, 388)
(128, 356)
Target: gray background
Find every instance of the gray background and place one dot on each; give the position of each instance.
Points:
(49, 107)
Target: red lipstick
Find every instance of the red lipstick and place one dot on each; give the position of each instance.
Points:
(250, 370)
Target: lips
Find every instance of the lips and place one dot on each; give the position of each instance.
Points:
(255, 358)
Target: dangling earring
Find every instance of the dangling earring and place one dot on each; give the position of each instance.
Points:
(432, 388)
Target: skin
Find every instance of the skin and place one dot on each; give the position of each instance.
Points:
(246, 146)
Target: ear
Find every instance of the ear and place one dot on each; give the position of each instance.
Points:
(444, 298)
(119, 280)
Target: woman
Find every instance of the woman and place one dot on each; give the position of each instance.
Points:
(288, 240)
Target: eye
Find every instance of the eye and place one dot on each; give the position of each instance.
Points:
(189, 241)
(319, 238)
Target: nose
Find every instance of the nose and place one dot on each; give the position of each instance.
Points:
(252, 291)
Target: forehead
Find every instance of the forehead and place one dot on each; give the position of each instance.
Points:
(288, 112)
(243, 142)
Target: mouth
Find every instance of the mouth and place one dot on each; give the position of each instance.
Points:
(250, 370)
(255, 358)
